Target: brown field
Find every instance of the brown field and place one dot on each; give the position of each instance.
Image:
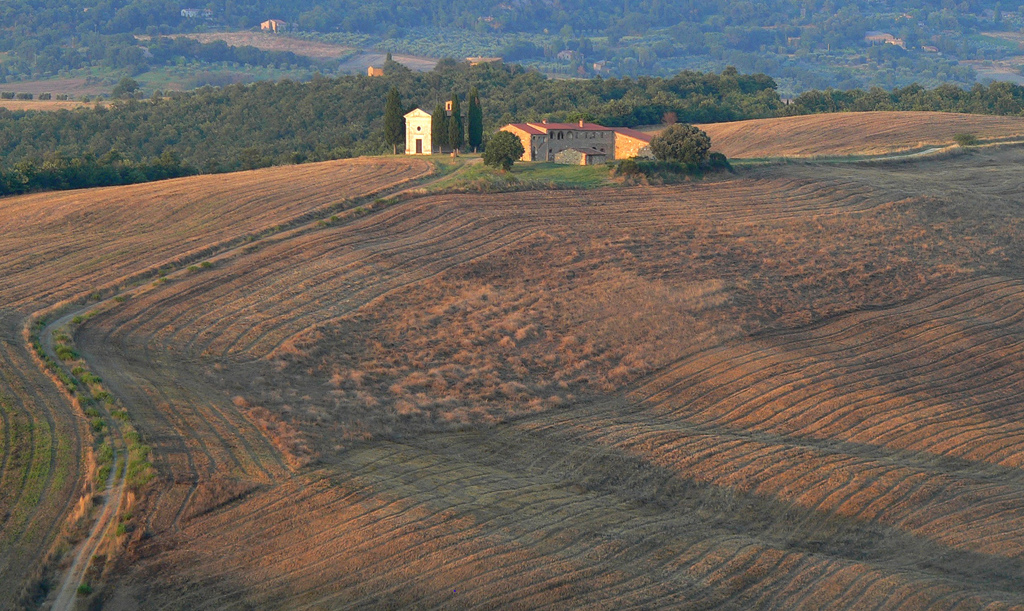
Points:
(792, 388)
(357, 62)
(860, 133)
(274, 42)
(46, 105)
(74, 87)
(57, 245)
(60, 244)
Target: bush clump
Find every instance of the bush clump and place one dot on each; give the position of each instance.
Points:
(503, 150)
(966, 140)
(682, 143)
(669, 171)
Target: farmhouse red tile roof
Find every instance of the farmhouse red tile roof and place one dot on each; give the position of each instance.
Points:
(538, 129)
(585, 127)
(632, 133)
(526, 127)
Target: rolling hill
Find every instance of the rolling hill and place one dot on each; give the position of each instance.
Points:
(794, 387)
(862, 133)
(58, 247)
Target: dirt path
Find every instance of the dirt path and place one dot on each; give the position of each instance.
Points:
(109, 510)
(113, 497)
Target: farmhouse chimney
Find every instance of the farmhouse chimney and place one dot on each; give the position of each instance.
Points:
(581, 122)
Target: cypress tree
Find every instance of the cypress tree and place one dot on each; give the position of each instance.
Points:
(394, 128)
(456, 135)
(439, 128)
(476, 120)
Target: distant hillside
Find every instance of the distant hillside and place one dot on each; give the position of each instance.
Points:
(862, 133)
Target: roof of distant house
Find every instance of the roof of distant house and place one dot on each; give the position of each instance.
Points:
(633, 133)
(577, 126)
(543, 127)
(526, 127)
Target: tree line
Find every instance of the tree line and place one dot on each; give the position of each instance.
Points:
(249, 126)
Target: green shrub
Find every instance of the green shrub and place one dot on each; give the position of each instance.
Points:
(682, 143)
(966, 139)
(206, 265)
(84, 589)
(503, 150)
(105, 454)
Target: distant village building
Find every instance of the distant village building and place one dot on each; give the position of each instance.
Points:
(196, 13)
(371, 71)
(581, 156)
(543, 141)
(876, 37)
(567, 55)
(273, 25)
(601, 66)
(417, 133)
(476, 61)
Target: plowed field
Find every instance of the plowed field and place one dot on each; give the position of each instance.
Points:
(58, 245)
(859, 133)
(795, 388)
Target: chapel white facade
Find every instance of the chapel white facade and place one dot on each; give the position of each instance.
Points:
(417, 133)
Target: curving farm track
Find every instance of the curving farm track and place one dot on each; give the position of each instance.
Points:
(59, 246)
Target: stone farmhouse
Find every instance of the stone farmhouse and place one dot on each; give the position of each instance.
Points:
(544, 141)
(570, 143)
